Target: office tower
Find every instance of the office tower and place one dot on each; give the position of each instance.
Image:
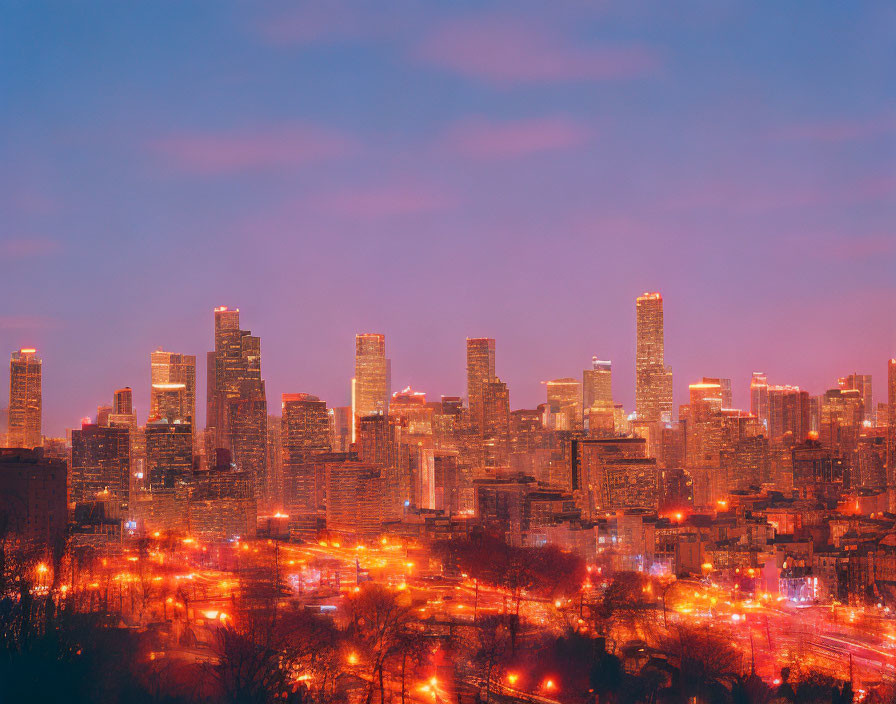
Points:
(275, 463)
(759, 397)
(33, 497)
(564, 397)
(495, 420)
(789, 414)
(480, 371)
(237, 406)
(862, 384)
(374, 444)
(169, 402)
(24, 425)
(168, 369)
(629, 483)
(102, 415)
(354, 499)
(727, 400)
(597, 387)
(123, 401)
(653, 379)
(841, 418)
(101, 467)
(304, 434)
(169, 454)
(487, 395)
(372, 381)
(706, 399)
(341, 426)
(891, 421)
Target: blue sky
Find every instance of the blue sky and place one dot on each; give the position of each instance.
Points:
(436, 170)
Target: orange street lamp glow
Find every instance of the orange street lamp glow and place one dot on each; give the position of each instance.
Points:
(352, 659)
(512, 678)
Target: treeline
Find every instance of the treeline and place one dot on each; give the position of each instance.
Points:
(542, 572)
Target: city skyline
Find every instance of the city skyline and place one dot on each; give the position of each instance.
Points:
(398, 172)
(741, 393)
(416, 352)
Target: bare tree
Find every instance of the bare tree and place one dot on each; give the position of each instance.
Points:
(377, 622)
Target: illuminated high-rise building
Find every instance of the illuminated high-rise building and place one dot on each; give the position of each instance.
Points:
(759, 397)
(891, 421)
(102, 415)
(653, 379)
(237, 407)
(372, 381)
(487, 395)
(840, 420)
(304, 434)
(168, 369)
(169, 454)
(706, 399)
(789, 414)
(727, 399)
(169, 402)
(374, 443)
(862, 384)
(100, 467)
(24, 425)
(480, 371)
(564, 397)
(597, 386)
(354, 498)
(123, 401)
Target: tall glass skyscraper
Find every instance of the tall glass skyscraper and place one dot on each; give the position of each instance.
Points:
(653, 379)
(372, 382)
(24, 425)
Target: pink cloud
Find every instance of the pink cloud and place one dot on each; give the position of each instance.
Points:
(483, 139)
(234, 151)
(389, 200)
(16, 248)
(507, 51)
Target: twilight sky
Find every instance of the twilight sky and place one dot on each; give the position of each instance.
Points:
(519, 170)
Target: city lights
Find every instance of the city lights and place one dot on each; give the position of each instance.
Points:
(448, 353)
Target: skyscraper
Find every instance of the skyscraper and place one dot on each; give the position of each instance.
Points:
(101, 467)
(788, 413)
(653, 379)
(489, 401)
(169, 402)
(759, 397)
(862, 384)
(24, 429)
(564, 397)
(480, 373)
(372, 381)
(123, 401)
(597, 383)
(169, 368)
(304, 433)
(237, 407)
(598, 409)
(169, 454)
(891, 421)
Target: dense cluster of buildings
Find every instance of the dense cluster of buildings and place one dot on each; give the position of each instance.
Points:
(800, 488)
